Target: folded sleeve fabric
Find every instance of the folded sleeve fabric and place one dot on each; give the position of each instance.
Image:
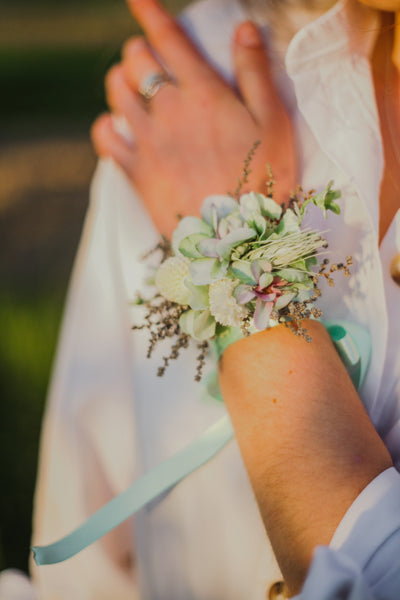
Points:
(363, 559)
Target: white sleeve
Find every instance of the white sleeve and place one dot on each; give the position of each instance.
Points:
(88, 440)
(363, 559)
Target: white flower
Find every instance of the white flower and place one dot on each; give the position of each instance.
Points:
(170, 279)
(223, 305)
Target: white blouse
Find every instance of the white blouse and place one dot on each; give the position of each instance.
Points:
(110, 419)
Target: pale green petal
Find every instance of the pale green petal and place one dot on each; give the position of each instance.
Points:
(242, 270)
(284, 300)
(188, 246)
(186, 322)
(307, 284)
(188, 226)
(299, 264)
(259, 223)
(208, 247)
(220, 269)
(205, 270)
(243, 294)
(292, 275)
(204, 325)
(326, 199)
(304, 295)
(289, 224)
(198, 324)
(269, 208)
(311, 262)
(198, 298)
(255, 202)
(265, 280)
(233, 239)
(249, 205)
(256, 269)
(227, 224)
(223, 205)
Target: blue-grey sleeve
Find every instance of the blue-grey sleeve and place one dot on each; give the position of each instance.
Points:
(363, 559)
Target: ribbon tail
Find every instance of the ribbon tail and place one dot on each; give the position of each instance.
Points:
(353, 343)
(148, 487)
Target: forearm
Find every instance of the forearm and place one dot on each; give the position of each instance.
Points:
(307, 442)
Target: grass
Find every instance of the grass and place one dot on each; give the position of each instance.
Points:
(27, 341)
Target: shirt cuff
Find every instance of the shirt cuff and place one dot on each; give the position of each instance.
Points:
(366, 532)
(361, 562)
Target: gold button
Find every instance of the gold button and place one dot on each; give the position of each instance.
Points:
(395, 269)
(278, 591)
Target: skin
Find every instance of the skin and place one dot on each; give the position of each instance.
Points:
(307, 442)
(387, 90)
(390, 5)
(188, 126)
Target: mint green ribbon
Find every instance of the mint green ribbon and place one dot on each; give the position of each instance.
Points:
(354, 346)
(158, 480)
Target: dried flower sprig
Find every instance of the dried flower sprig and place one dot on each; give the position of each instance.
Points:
(245, 265)
(246, 169)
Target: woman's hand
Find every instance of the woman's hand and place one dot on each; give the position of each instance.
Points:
(191, 140)
(306, 440)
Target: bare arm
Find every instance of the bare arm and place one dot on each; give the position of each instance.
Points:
(307, 442)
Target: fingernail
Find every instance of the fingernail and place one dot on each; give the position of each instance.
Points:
(248, 35)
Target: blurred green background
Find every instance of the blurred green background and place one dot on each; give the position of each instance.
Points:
(53, 58)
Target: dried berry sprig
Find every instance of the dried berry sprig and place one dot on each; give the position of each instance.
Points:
(333, 269)
(161, 320)
(245, 325)
(270, 182)
(181, 342)
(246, 169)
(294, 315)
(203, 347)
(163, 246)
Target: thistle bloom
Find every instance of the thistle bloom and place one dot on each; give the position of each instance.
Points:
(170, 279)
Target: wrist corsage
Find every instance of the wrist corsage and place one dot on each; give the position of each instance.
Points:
(246, 264)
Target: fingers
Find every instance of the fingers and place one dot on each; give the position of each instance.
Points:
(124, 100)
(253, 72)
(170, 42)
(108, 143)
(138, 61)
(138, 64)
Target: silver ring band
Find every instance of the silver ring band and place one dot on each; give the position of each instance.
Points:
(152, 84)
